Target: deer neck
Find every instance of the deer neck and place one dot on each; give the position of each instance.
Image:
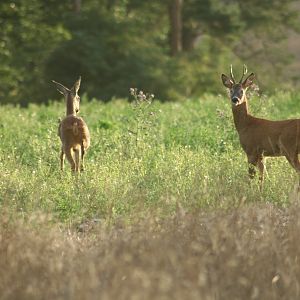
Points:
(241, 115)
(70, 106)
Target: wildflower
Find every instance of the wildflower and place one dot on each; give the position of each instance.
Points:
(132, 91)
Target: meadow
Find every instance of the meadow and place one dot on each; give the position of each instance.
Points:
(164, 209)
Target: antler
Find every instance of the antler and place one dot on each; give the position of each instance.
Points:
(244, 73)
(231, 74)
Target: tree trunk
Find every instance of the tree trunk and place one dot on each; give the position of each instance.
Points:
(175, 8)
(190, 38)
(77, 6)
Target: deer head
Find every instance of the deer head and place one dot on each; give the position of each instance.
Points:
(238, 90)
(71, 96)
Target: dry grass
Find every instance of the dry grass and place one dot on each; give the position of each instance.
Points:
(248, 253)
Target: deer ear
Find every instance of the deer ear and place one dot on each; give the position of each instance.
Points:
(76, 86)
(62, 89)
(249, 80)
(227, 81)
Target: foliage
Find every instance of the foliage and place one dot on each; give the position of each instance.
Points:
(142, 132)
(189, 154)
(115, 45)
(27, 38)
(248, 252)
(120, 228)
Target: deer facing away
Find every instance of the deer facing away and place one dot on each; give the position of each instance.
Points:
(260, 138)
(72, 130)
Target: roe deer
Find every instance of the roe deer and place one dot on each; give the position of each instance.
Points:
(259, 137)
(72, 130)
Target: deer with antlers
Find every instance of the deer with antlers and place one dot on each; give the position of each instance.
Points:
(261, 138)
(72, 130)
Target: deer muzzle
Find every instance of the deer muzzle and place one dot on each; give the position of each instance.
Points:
(235, 100)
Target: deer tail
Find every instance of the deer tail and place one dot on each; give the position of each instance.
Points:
(75, 128)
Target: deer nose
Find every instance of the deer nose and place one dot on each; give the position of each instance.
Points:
(235, 100)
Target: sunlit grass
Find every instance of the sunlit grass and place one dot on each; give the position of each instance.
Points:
(188, 155)
(168, 213)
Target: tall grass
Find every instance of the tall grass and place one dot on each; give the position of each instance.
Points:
(188, 154)
(247, 253)
(164, 209)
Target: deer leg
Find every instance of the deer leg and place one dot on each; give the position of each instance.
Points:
(294, 161)
(252, 161)
(256, 161)
(261, 168)
(62, 159)
(251, 171)
(82, 158)
(77, 159)
(69, 156)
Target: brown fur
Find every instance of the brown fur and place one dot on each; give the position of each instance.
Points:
(73, 131)
(261, 138)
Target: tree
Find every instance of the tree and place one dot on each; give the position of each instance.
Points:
(175, 8)
(172, 48)
(77, 6)
(28, 33)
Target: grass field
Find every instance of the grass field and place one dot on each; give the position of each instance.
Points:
(164, 209)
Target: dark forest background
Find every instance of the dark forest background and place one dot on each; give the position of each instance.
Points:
(173, 48)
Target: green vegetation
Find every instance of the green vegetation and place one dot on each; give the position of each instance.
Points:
(186, 155)
(164, 209)
(174, 48)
